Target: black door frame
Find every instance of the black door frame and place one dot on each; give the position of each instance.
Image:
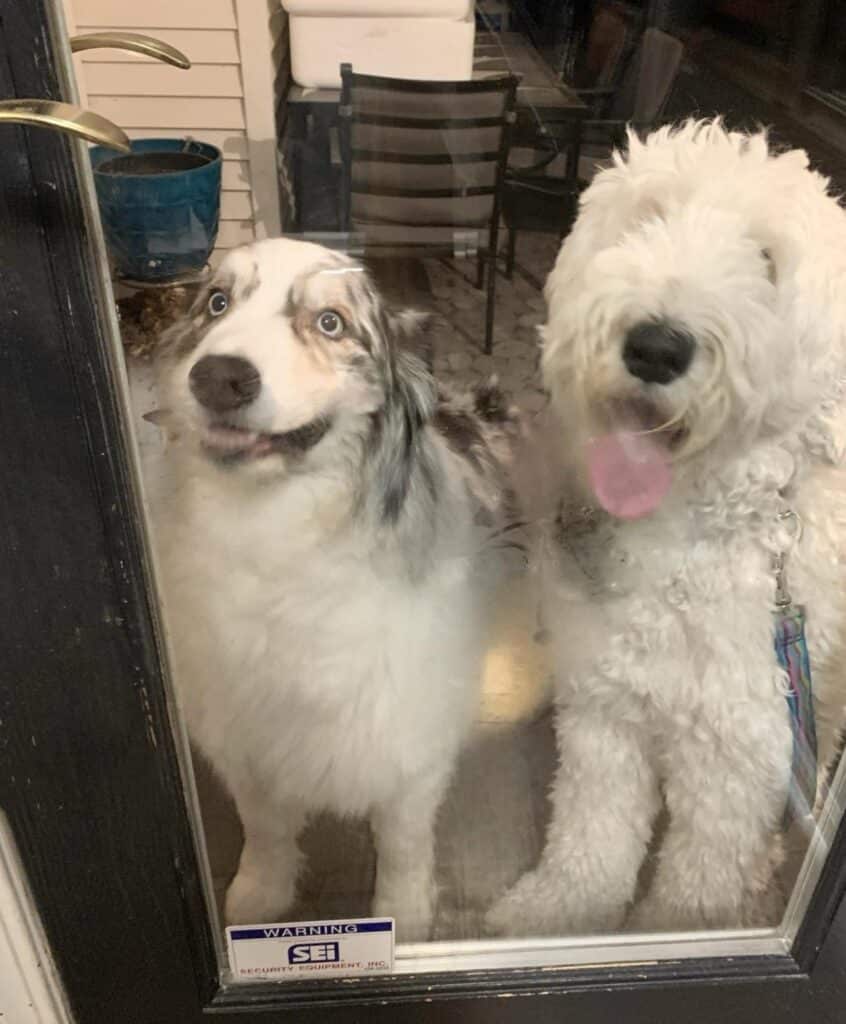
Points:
(89, 772)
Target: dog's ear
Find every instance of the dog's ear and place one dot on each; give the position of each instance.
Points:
(414, 330)
(414, 387)
(403, 458)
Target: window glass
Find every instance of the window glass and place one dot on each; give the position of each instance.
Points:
(486, 363)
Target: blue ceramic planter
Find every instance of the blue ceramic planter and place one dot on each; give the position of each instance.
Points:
(160, 214)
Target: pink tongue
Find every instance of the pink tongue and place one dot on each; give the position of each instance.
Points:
(629, 473)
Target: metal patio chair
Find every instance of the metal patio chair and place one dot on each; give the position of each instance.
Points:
(423, 166)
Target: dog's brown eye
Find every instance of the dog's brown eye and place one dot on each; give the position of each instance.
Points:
(330, 323)
(218, 303)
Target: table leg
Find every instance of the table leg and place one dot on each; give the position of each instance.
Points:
(296, 132)
(573, 155)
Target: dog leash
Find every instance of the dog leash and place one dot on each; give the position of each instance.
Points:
(791, 649)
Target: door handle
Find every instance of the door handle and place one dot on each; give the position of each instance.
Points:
(65, 117)
(134, 41)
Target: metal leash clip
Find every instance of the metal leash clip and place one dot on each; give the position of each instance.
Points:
(783, 598)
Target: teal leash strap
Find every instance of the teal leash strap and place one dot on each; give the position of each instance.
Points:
(791, 650)
(792, 653)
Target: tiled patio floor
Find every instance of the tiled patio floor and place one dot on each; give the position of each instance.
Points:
(459, 355)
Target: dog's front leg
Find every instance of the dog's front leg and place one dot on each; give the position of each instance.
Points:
(604, 801)
(265, 884)
(726, 786)
(404, 831)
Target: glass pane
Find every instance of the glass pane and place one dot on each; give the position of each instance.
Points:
(493, 479)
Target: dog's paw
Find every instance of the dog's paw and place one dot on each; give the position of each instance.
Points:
(654, 914)
(541, 903)
(251, 900)
(526, 909)
(412, 907)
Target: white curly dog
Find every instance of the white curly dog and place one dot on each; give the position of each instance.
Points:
(695, 340)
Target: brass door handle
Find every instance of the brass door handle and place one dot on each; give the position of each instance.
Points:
(65, 117)
(134, 41)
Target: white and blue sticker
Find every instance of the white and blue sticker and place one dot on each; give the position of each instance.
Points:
(276, 952)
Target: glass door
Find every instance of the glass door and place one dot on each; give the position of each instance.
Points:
(379, 627)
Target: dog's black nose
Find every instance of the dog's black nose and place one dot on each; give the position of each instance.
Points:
(223, 383)
(657, 352)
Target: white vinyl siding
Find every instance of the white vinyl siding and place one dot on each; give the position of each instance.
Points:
(125, 79)
(219, 46)
(233, 144)
(132, 15)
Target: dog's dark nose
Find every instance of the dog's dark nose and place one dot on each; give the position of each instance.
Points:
(657, 352)
(224, 383)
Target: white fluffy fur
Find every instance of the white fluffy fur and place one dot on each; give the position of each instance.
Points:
(316, 667)
(667, 684)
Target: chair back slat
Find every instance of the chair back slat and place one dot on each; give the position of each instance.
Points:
(419, 211)
(648, 79)
(446, 157)
(607, 42)
(461, 178)
(441, 142)
(423, 154)
(486, 104)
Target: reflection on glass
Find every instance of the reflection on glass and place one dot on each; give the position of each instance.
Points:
(512, 634)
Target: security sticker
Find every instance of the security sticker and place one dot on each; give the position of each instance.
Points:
(276, 952)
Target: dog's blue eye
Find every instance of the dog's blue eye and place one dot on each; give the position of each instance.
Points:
(331, 323)
(218, 303)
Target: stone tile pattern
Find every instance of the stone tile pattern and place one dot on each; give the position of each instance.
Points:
(520, 309)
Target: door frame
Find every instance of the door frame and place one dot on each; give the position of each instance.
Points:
(90, 775)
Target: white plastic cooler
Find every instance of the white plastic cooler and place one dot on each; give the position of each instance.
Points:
(423, 39)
